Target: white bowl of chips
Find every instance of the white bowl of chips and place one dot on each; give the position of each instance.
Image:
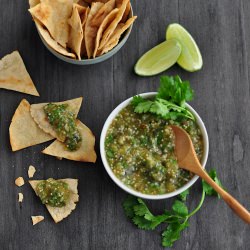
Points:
(83, 31)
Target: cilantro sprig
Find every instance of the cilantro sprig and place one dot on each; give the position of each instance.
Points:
(169, 102)
(176, 218)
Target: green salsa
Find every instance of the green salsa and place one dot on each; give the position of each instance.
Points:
(140, 151)
(64, 123)
(52, 192)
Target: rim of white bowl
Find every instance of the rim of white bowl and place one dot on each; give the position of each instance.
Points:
(96, 60)
(130, 190)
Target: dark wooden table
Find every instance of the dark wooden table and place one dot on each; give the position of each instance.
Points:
(221, 29)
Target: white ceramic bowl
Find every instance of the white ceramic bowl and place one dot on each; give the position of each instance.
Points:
(98, 59)
(120, 183)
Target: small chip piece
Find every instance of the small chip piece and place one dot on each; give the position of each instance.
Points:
(19, 181)
(20, 197)
(31, 171)
(37, 219)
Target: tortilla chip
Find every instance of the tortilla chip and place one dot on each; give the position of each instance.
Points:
(118, 3)
(31, 171)
(106, 22)
(84, 18)
(86, 153)
(126, 13)
(19, 181)
(88, 35)
(59, 213)
(51, 42)
(114, 39)
(20, 197)
(92, 1)
(81, 11)
(54, 15)
(39, 116)
(24, 132)
(97, 14)
(37, 219)
(33, 3)
(82, 3)
(108, 47)
(109, 31)
(76, 31)
(14, 76)
(103, 12)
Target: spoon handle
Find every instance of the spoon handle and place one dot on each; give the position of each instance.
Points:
(229, 199)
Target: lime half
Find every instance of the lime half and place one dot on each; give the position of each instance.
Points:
(190, 58)
(159, 58)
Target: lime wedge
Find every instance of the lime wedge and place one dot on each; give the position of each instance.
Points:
(190, 58)
(159, 58)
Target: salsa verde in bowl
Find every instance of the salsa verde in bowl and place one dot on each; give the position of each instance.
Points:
(137, 151)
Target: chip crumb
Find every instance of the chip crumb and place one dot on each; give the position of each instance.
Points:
(31, 171)
(20, 197)
(36, 219)
(19, 181)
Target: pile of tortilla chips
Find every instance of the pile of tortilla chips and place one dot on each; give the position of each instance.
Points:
(30, 126)
(81, 28)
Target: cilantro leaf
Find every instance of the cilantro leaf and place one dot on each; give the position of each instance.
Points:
(207, 188)
(143, 107)
(177, 218)
(173, 89)
(136, 100)
(141, 209)
(128, 206)
(172, 233)
(148, 223)
(162, 108)
(175, 111)
(169, 103)
(180, 208)
(137, 210)
(143, 223)
(159, 108)
(183, 195)
(144, 219)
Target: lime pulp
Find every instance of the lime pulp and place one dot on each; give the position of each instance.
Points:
(159, 58)
(190, 58)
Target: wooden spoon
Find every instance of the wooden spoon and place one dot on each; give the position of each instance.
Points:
(187, 159)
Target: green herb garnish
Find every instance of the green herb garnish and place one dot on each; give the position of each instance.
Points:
(176, 219)
(169, 102)
(207, 188)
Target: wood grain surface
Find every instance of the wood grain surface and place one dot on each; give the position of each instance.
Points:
(222, 98)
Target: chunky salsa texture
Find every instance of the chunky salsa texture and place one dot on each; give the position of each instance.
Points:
(53, 192)
(64, 123)
(140, 151)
